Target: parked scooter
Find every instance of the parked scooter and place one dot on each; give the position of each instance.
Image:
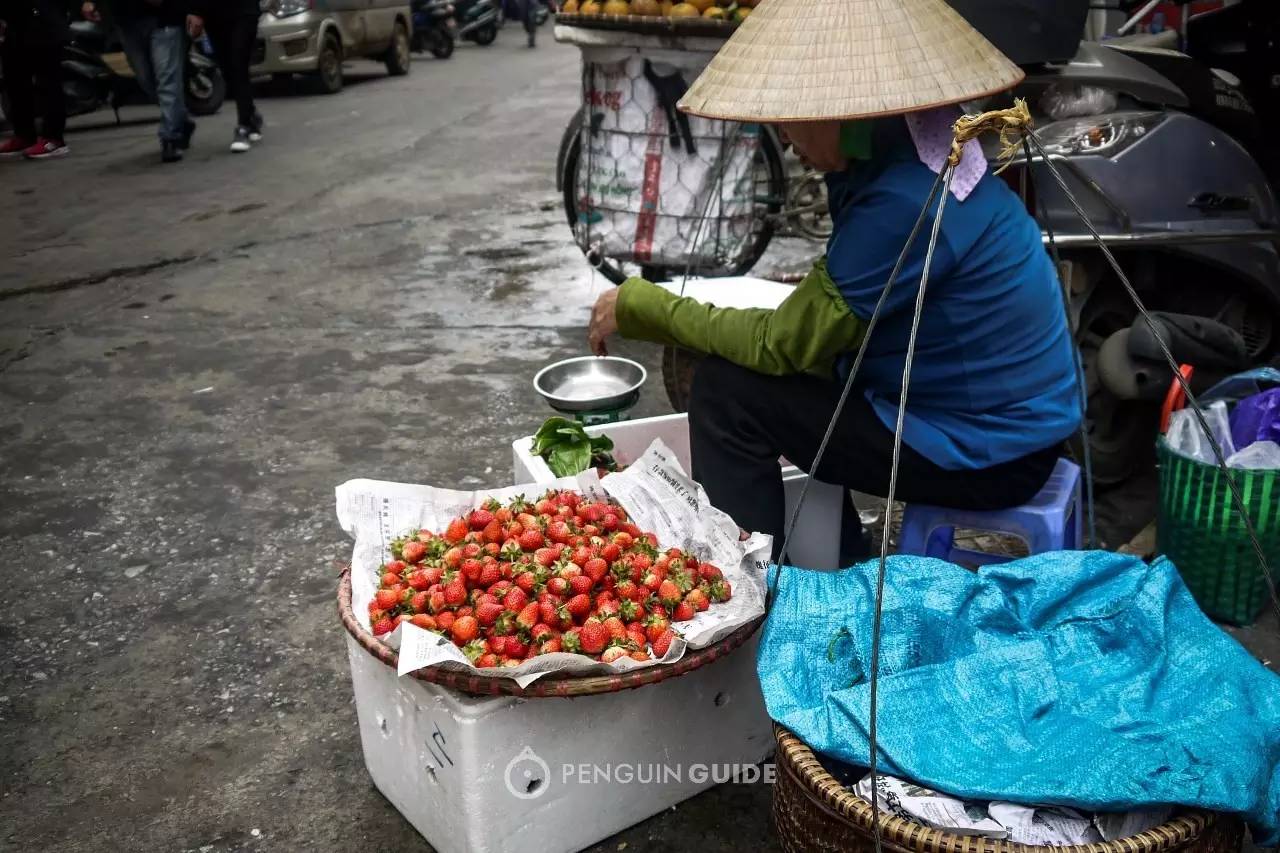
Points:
(96, 74)
(477, 20)
(1165, 155)
(433, 27)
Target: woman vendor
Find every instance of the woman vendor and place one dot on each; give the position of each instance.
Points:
(865, 91)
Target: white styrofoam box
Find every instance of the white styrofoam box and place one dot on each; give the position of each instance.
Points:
(444, 759)
(816, 542)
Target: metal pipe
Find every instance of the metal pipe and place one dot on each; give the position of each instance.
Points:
(1138, 16)
(1180, 238)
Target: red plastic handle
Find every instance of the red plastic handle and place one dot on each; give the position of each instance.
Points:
(1175, 399)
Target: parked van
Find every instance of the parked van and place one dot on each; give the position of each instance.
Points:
(313, 37)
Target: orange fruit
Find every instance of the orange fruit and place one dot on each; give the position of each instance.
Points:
(685, 10)
(701, 5)
(666, 6)
(570, 7)
(740, 14)
(616, 7)
(646, 8)
(590, 7)
(714, 12)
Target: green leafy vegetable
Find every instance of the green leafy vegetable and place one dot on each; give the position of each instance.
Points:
(568, 450)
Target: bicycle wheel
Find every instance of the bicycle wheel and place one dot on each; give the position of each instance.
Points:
(769, 194)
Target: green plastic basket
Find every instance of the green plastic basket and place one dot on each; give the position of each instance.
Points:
(1200, 530)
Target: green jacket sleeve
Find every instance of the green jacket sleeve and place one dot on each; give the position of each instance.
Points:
(805, 334)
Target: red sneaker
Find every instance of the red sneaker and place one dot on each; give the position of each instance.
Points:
(14, 146)
(46, 148)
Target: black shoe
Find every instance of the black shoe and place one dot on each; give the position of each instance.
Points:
(188, 131)
(241, 141)
(170, 152)
(255, 128)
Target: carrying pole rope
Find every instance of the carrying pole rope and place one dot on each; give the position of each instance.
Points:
(1237, 498)
(1082, 385)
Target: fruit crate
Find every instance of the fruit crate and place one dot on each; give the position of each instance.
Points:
(816, 543)
(652, 24)
(506, 773)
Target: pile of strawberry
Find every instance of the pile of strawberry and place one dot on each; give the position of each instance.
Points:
(564, 574)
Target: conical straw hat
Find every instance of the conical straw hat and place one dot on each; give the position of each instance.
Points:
(798, 60)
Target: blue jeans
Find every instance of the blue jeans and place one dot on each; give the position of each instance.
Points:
(158, 56)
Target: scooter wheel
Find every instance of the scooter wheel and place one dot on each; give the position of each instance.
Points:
(485, 35)
(442, 46)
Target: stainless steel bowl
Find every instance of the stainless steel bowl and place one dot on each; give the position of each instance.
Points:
(591, 383)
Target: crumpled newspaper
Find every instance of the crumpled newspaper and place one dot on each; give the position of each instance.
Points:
(1051, 825)
(656, 492)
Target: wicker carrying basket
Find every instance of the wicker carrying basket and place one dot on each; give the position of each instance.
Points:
(814, 813)
(1200, 530)
(468, 681)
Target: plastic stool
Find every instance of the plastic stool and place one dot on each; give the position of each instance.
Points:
(1049, 522)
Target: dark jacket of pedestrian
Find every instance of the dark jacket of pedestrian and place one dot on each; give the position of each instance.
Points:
(168, 13)
(42, 22)
(224, 8)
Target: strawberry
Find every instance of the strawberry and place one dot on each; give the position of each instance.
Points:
(413, 552)
(465, 610)
(445, 620)
(531, 540)
(662, 642)
(636, 635)
(488, 612)
(611, 552)
(669, 594)
(453, 557)
(492, 533)
(418, 580)
(526, 522)
(419, 602)
(630, 529)
(471, 549)
(631, 611)
(628, 589)
(387, 599)
(515, 647)
(545, 557)
(422, 620)
(480, 519)
(606, 607)
(595, 569)
(590, 530)
(396, 567)
(570, 641)
(549, 611)
(640, 655)
(558, 531)
(474, 649)
(540, 631)
(490, 574)
(488, 660)
(720, 590)
(433, 575)
(580, 584)
(593, 637)
(610, 521)
(550, 645)
(581, 555)
(526, 581)
(456, 531)
(389, 579)
(623, 540)
(464, 629)
(684, 612)
(503, 515)
(383, 626)
(546, 506)
(515, 599)
(612, 654)
(436, 601)
(615, 627)
(528, 617)
(654, 627)
(557, 586)
(698, 599)
(455, 592)
(709, 572)
(471, 569)
(578, 606)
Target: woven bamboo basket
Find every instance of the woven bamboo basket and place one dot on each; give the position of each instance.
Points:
(814, 813)
(468, 681)
(656, 26)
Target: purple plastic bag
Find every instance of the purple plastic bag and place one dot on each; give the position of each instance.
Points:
(1256, 418)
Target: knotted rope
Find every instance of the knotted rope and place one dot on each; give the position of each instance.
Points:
(1012, 125)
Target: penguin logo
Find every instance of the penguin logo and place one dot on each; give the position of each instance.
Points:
(527, 775)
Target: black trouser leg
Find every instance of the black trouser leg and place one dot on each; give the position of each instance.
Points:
(46, 59)
(233, 39)
(740, 422)
(18, 81)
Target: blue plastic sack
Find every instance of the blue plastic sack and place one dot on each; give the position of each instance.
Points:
(1256, 418)
(1241, 385)
(1085, 679)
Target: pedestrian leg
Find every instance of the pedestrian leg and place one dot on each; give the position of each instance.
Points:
(47, 59)
(135, 35)
(19, 85)
(244, 33)
(168, 58)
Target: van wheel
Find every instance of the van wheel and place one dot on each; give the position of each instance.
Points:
(397, 58)
(328, 76)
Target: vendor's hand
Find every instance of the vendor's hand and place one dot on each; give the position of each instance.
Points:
(90, 12)
(604, 321)
(195, 26)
